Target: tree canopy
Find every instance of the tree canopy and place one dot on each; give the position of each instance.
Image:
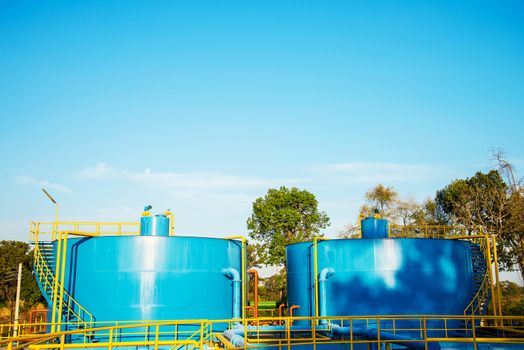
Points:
(381, 198)
(284, 216)
(11, 254)
(486, 201)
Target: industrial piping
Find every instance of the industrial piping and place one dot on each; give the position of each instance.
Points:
(323, 276)
(373, 334)
(233, 275)
(368, 333)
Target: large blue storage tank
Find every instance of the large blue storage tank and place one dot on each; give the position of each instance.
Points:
(381, 276)
(153, 277)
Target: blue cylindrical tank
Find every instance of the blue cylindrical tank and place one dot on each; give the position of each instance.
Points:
(374, 228)
(381, 276)
(153, 277)
(157, 225)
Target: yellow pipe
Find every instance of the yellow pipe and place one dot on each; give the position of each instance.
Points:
(62, 275)
(490, 273)
(497, 281)
(315, 268)
(55, 285)
(171, 217)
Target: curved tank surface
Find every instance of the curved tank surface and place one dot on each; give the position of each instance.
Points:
(154, 277)
(407, 276)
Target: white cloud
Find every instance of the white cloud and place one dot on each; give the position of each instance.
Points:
(33, 181)
(376, 172)
(100, 170)
(180, 181)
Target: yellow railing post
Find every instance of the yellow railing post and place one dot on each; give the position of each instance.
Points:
(202, 335)
(157, 330)
(61, 282)
(315, 271)
(378, 333)
(110, 346)
(489, 267)
(54, 316)
(425, 333)
(498, 302)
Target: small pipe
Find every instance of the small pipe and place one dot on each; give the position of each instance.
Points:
(233, 275)
(280, 307)
(325, 273)
(291, 312)
(171, 217)
(255, 291)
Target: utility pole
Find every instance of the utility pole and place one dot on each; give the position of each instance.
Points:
(17, 305)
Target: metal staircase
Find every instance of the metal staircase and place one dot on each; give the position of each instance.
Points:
(482, 281)
(74, 314)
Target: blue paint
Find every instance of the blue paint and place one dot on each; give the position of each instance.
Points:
(374, 228)
(154, 278)
(382, 276)
(157, 225)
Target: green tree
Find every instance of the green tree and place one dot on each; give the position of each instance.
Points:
(284, 216)
(512, 298)
(11, 254)
(274, 287)
(427, 214)
(486, 201)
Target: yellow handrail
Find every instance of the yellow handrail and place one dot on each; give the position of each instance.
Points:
(44, 274)
(83, 228)
(431, 328)
(315, 270)
(55, 283)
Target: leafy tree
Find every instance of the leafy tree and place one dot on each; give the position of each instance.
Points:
(512, 298)
(427, 214)
(284, 216)
(350, 231)
(486, 201)
(381, 198)
(11, 254)
(404, 211)
(274, 287)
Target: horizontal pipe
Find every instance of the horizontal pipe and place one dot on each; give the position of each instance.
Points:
(235, 339)
(239, 329)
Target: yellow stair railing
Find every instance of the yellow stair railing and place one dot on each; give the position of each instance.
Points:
(207, 334)
(63, 304)
(479, 303)
(47, 280)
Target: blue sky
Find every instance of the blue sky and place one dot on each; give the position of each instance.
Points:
(202, 106)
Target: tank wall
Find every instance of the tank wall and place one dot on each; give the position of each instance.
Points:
(384, 276)
(152, 278)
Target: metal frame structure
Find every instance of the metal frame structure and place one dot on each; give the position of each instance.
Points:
(202, 334)
(167, 334)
